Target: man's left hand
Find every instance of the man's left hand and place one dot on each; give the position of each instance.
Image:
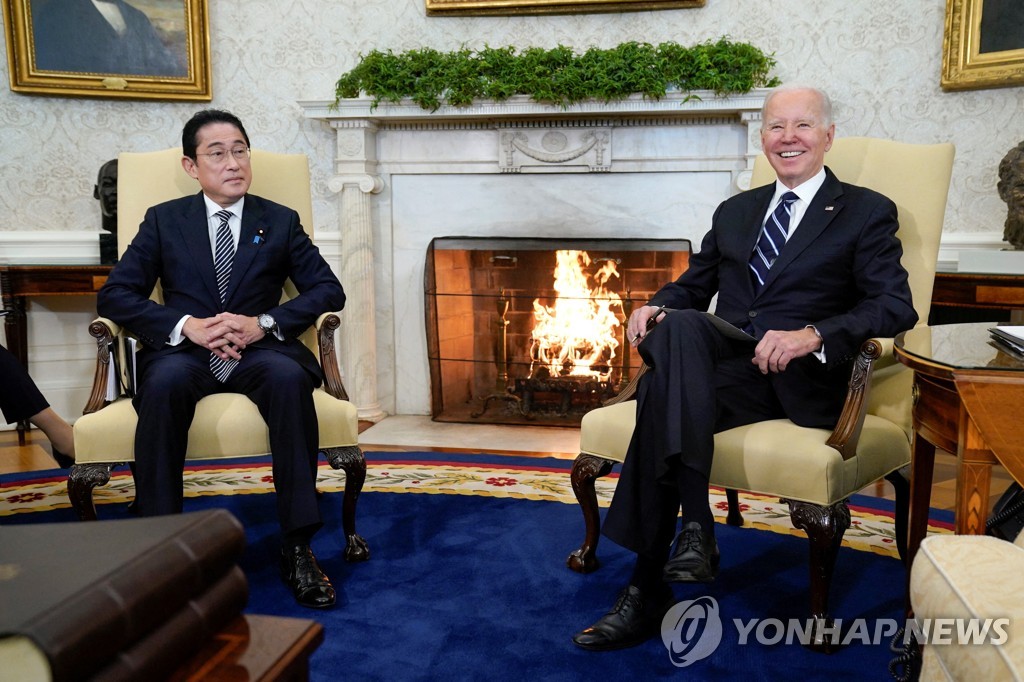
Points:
(777, 349)
(244, 330)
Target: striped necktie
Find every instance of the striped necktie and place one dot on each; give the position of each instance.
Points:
(773, 237)
(224, 254)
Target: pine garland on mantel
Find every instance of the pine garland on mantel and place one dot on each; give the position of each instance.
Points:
(556, 76)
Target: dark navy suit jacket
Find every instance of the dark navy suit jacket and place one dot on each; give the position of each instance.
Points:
(173, 248)
(840, 271)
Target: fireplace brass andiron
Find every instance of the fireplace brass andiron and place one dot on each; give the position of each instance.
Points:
(627, 348)
(502, 389)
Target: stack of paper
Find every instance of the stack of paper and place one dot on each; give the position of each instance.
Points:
(1010, 339)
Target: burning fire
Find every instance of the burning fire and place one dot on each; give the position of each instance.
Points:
(577, 336)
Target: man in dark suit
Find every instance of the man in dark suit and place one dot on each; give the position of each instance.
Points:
(809, 267)
(222, 257)
(101, 36)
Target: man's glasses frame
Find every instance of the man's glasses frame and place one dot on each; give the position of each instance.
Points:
(221, 155)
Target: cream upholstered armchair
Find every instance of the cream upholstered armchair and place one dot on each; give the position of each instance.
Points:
(970, 577)
(226, 425)
(814, 470)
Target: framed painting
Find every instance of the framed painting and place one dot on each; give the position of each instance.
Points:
(470, 7)
(130, 49)
(983, 44)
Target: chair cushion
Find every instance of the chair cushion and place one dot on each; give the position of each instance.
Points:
(764, 457)
(228, 424)
(970, 576)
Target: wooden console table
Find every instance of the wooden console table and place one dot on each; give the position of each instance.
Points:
(980, 291)
(18, 282)
(255, 648)
(967, 394)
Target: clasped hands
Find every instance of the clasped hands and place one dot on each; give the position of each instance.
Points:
(773, 352)
(225, 335)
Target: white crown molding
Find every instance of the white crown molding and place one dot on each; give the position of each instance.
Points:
(50, 247)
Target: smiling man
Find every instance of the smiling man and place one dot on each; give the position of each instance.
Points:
(222, 257)
(805, 269)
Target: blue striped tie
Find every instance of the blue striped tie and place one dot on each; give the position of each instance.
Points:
(773, 237)
(223, 255)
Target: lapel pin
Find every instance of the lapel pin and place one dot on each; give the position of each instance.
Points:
(258, 239)
(829, 208)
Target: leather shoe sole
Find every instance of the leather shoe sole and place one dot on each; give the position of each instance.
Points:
(302, 574)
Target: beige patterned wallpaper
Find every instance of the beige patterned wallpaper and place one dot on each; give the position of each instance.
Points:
(880, 60)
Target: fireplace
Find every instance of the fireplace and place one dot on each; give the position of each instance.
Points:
(404, 176)
(531, 330)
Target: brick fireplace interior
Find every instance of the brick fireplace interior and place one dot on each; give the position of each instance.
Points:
(487, 300)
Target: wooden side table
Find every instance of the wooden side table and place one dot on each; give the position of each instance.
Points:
(19, 282)
(255, 648)
(967, 394)
(980, 291)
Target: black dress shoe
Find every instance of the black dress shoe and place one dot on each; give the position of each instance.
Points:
(63, 461)
(695, 557)
(302, 574)
(633, 620)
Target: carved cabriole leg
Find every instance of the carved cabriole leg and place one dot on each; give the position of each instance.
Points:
(585, 470)
(825, 527)
(81, 481)
(734, 517)
(351, 459)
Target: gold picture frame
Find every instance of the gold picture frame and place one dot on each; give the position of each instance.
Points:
(983, 44)
(146, 49)
(508, 7)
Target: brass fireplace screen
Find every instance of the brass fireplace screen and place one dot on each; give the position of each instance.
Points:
(530, 331)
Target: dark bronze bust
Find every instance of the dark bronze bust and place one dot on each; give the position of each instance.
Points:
(106, 191)
(1011, 190)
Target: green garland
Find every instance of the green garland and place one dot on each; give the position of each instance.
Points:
(557, 76)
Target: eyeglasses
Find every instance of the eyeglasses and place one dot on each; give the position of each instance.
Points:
(220, 156)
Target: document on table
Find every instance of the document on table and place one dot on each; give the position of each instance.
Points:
(1009, 337)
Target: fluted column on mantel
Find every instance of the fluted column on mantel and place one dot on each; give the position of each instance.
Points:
(355, 182)
(751, 119)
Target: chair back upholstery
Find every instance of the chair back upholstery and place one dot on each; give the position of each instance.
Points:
(145, 179)
(916, 178)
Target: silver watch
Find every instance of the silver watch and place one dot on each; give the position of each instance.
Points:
(267, 323)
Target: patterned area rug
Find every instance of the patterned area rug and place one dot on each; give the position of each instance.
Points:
(467, 579)
(438, 473)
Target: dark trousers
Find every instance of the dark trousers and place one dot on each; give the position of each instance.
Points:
(19, 397)
(700, 383)
(169, 389)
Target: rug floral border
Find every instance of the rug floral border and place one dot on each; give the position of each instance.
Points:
(869, 531)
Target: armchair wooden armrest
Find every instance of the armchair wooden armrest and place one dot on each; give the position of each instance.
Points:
(326, 325)
(846, 433)
(105, 332)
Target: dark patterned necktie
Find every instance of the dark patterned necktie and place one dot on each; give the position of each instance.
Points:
(223, 255)
(773, 237)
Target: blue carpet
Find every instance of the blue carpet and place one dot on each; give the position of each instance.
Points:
(469, 587)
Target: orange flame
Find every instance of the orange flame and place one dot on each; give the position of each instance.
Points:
(576, 336)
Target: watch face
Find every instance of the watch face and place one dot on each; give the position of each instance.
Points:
(266, 322)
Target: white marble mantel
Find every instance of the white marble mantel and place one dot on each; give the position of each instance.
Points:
(403, 175)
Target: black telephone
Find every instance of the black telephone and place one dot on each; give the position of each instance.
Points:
(1007, 518)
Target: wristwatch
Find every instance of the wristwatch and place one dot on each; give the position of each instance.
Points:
(267, 323)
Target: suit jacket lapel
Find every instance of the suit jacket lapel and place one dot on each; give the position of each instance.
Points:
(825, 206)
(195, 234)
(752, 226)
(249, 243)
